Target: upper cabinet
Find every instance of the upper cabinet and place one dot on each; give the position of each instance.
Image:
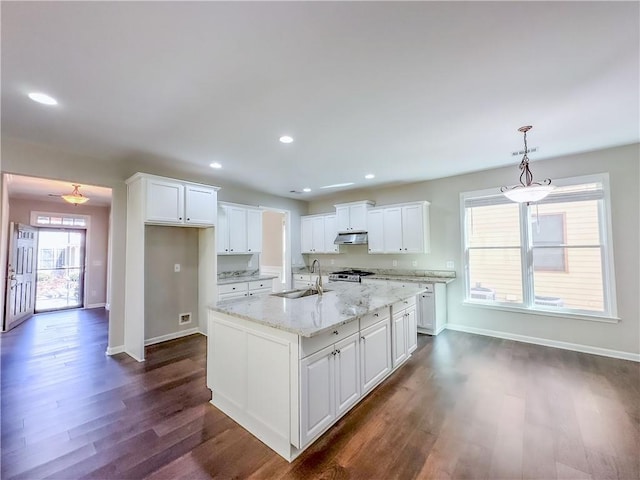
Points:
(174, 202)
(352, 217)
(400, 228)
(239, 229)
(318, 233)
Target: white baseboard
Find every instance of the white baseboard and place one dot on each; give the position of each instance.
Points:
(576, 347)
(172, 336)
(201, 332)
(115, 350)
(96, 305)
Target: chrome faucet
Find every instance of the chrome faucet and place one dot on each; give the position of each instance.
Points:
(319, 279)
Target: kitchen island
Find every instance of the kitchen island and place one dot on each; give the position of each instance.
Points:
(287, 369)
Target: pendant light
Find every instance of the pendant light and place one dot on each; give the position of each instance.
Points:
(528, 190)
(75, 197)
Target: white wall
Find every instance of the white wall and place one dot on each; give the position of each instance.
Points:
(25, 158)
(623, 166)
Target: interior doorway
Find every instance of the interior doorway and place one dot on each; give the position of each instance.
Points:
(275, 258)
(60, 269)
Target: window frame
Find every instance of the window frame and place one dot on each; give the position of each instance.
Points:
(528, 304)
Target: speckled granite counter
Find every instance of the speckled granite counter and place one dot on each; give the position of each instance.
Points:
(244, 278)
(309, 316)
(415, 276)
(412, 278)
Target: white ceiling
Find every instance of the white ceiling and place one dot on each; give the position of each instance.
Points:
(19, 186)
(405, 90)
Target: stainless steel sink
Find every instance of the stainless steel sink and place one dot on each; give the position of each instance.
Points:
(302, 292)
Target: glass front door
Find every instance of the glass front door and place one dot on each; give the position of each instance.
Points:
(60, 270)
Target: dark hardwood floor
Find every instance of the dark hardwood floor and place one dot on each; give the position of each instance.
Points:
(464, 406)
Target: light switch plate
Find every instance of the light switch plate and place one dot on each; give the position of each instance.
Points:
(414, 263)
(394, 263)
(176, 267)
(450, 264)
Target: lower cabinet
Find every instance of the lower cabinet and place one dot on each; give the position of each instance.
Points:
(404, 332)
(375, 354)
(329, 386)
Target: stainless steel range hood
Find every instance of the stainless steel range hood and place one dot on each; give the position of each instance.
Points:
(351, 238)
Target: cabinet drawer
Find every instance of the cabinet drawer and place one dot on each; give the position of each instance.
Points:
(260, 285)
(259, 291)
(227, 296)
(232, 288)
(311, 345)
(396, 307)
(374, 317)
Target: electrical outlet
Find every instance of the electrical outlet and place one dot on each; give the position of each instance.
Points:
(450, 264)
(333, 262)
(394, 263)
(250, 264)
(414, 263)
(176, 267)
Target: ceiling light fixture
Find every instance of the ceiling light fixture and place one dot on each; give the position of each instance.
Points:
(528, 190)
(369, 176)
(306, 190)
(43, 98)
(286, 139)
(75, 197)
(338, 185)
(215, 165)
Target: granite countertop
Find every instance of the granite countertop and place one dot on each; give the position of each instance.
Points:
(412, 278)
(244, 278)
(316, 314)
(415, 276)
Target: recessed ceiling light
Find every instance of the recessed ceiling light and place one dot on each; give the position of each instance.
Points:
(369, 176)
(215, 165)
(42, 98)
(338, 185)
(286, 139)
(307, 190)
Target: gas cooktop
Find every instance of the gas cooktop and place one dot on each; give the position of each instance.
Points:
(349, 275)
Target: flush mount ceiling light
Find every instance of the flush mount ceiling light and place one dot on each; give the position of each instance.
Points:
(306, 190)
(215, 165)
(42, 98)
(75, 197)
(369, 176)
(286, 139)
(528, 190)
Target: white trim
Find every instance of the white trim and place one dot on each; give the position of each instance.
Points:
(202, 332)
(96, 305)
(538, 311)
(576, 347)
(171, 336)
(114, 350)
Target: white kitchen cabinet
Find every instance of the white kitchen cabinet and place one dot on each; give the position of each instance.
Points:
(432, 309)
(304, 280)
(404, 330)
(240, 229)
(254, 230)
(375, 354)
(244, 289)
(318, 234)
(402, 228)
(173, 202)
(375, 229)
(330, 386)
(330, 233)
(352, 217)
(260, 287)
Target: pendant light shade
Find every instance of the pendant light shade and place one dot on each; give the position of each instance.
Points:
(528, 190)
(75, 197)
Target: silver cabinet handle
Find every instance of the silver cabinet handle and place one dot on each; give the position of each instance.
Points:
(335, 332)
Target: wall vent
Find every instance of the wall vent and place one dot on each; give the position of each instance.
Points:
(184, 318)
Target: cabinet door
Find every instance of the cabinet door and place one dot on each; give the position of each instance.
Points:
(342, 219)
(412, 329)
(254, 231)
(393, 230)
(358, 218)
(200, 205)
(237, 223)
(222, 231)
(413, 232)
(347, 361)
(317, 234)
(330, 232)
(399, 337)
(306, 234)
(375, 354)
(375, 226)
(165, 201)
(427, 311)
(317, 399)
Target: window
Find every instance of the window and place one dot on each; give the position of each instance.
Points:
(551, 256)
(44, 219)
